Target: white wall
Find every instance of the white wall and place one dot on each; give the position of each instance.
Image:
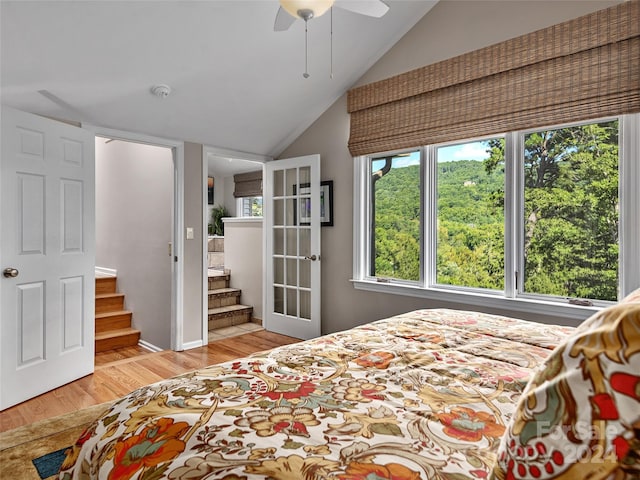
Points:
(243, 256)
(134, 197)
(451, 28)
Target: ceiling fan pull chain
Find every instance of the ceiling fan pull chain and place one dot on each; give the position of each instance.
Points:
(306, 50)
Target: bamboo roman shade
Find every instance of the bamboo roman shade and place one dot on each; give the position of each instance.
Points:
(248, 184)
(581, 69)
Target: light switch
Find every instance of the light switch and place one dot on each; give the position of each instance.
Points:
(189, 233)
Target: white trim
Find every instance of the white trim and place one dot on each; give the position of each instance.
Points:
(191, 345)
(629, 195)
(513, 243)
(177, 324)
(149, 346)
(429, 205)
(205, 248)
(475, 299)
(234, 154)
(177, 280)
(109, 272)
(242, 220)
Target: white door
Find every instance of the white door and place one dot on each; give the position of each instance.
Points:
(47, 256)
(291, 191)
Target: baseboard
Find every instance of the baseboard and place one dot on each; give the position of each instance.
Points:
(256, 320)
(149, 346)
(111, 272)
(190, 345)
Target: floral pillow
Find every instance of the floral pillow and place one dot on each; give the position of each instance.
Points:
(632, 297)
(579, 416)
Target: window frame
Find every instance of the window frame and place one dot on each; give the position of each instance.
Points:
(240, 207)
(512, 298)
(370, 213)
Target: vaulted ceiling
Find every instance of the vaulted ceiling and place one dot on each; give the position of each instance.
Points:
(235, 83)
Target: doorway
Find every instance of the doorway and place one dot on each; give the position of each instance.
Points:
(134, 218)
(236, 269)
(168, 252)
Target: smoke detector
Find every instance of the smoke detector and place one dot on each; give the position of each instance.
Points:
(161, 90)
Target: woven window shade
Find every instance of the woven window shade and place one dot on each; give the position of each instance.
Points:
(248, 184)
(585, 68)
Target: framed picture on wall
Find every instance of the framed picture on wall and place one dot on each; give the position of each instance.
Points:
(210, 190)
(302, 210)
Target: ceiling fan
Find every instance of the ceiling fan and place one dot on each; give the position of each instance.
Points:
(290, 10)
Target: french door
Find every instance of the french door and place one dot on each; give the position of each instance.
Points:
(292, 246)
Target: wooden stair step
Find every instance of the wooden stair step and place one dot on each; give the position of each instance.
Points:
(105, 285)
(123, 337)
(109, 302)
(113, 320)
(229, 316)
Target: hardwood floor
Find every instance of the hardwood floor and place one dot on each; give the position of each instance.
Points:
(119, 372)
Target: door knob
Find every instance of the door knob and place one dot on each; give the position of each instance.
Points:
(313, 258)
(10, 272)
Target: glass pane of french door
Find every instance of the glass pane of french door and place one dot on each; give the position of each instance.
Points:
(291, 287)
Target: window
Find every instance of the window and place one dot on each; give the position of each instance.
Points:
(546, 216)
(250, 206)
(571, 220)
(395, 216)
(470, 215)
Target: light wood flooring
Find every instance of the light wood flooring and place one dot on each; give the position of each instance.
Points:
(121, 371)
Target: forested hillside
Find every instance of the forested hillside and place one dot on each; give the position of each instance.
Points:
(570, 232)
(470, 227)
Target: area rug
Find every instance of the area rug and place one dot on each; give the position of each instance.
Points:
(38, 448)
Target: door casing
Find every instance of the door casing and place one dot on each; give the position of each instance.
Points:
(177, 277)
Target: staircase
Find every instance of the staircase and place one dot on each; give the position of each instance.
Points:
(113, 322)
(225, 309)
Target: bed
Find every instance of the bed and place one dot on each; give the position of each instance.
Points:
(437, 394)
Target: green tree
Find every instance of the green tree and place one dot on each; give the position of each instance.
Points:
(571, 215)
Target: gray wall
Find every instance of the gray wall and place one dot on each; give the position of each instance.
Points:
(134, 196)
(219, 186)
(451, 28)
(229, 200)
(194, 261)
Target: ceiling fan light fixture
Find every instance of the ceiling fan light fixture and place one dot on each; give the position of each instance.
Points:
(306, 9)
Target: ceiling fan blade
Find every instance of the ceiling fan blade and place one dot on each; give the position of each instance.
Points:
(371, 8)
(283, 20)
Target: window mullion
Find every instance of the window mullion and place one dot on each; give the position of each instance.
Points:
(360, 219)
(430, 216)
(629, 195)
(513, 198)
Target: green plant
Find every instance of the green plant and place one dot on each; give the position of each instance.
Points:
(217, 225)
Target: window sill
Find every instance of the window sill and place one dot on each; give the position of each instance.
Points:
(575, 314)
(242, 219)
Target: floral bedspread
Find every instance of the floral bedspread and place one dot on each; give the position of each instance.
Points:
(426, 394)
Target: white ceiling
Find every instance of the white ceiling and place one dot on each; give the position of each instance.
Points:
(236, 84)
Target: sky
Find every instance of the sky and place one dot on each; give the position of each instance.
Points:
(451, 153)
(466, 151)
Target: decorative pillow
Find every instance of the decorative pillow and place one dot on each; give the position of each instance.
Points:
(632, 297)
(579, 416)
